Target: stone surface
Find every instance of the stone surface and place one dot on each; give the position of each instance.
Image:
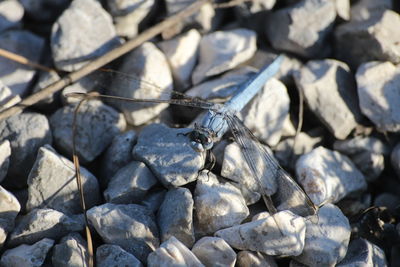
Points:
(217, 204)
(41, 223)
(70, 251)
(254, 6)
(223, 50)
(9, 208)
(150, 78)
(153, 200)
(250, 258)
(131, 227)
(130, 184)
(302, 28)
(361, 252)
(280, 234)
(52, 184)
(27, 132)
(327, 238)
(168, 154)
(97, 124)
(395, 159)
(173, 253)
(83, 32)
(365, 9)
(388, 200)
(11, 13)
(113, 255)
(343, 9)
(7, 99)
(5, 153)
(214, 251)
(45, 79)
(330, 92)
(327, 175)
(378, 87)
(24, 255)
(175, 216)
(44, 10)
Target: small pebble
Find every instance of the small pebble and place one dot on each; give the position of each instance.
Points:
(9, 209)
(395, 159)
(70, 251)
(365, 9)
(113, 255)
(214, 251)
(5, 153)
(11, 13)
(250, 258)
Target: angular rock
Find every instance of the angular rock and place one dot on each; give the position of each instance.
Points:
(280, 234)
(175, 216)
(395, 159)
(25, 255)
(365, 9)
(131, 227)
(378, 86)
(11, 13)
(83, 32)
(113, 255)
(223, 50)
(217, 205)
(27, 132)
(327, 238)
(302, 28)
(154, 200)
(9, 209)
(7, 99)
(173, 253)
(70, 251)
(327, 175)
(45, 79)
(330, 91)
(168, 154)
(361, 252)
(97, 124)
(150, 79)
(41, 223)
(343, 9)
(130, 184)
(5, 153)
(214, 251)
(251, 258)
(52, 184)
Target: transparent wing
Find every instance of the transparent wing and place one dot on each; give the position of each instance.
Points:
(270, 177)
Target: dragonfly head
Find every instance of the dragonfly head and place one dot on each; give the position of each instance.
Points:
(201, 139)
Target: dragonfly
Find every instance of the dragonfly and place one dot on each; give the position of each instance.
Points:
(272, 181)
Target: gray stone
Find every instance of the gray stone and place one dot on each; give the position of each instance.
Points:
(41, 223)
(131, 227)
(83, 32)
(130, 184)
(181, 53)
(217, 205)
(330, 92)
(97, 124)
(5, 153)
(153, 200)
(302, 28)
(44, 10)
(365, 9)
(45, 79)
(9, 208)
(70, 251)
(280, 234)
(172, 253)
(327, 237)
(113, 255)
(395, 159)
(7, 99)
(25, 44)
(52, 184)
(252, 7)
(378, 87)
(376, 38)
(327, 175)
(150, 78)
(361, 252)
(11, 13)
(388, 200)
(254, 259)
(175, 216)
(223, 50)
(214, 251)
(29, 256)
(168, 154)
(27, 132)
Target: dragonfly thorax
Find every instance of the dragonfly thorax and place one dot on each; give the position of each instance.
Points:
(201, 139)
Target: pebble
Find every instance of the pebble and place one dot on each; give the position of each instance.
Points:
(327, 175)
(113, 255)
(27, 132)
(24, 255)
(172, 253)
(175, 216)
(343, 9)
(182, 53)
(7, 99)
(168, 154)
(280, 234)
(217, 205)
(97, 124)
(11, 13)
(25, 44)
(150, 78)
(302, 28)
(378, 87)
(327, 238)
(41, 223)
(365, 9)
(378, 35)
(395, 159)
(130, 226)
(9, 209)
(361, 252)
(214, 251)
(70, 251)
(330, 92)
(45, 79)
(44, 10)
(52, 184)
(127, 15)
(5, 153)
(250, 258)
(130, 184)
(82, 33)
(221, 51)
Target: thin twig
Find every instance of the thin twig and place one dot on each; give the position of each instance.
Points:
(23, 60)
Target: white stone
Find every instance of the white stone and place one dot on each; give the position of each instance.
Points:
(214, 251)
(5, 153)
(255, 259)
